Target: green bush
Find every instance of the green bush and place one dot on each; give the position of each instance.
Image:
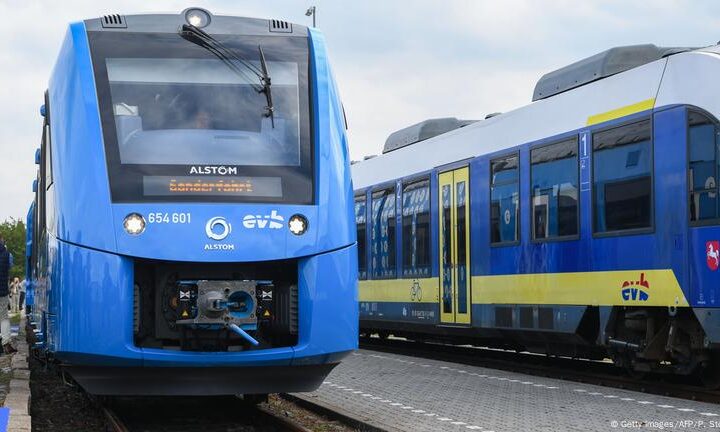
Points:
(13, 231)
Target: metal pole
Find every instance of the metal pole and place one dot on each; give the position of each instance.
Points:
(311, 11)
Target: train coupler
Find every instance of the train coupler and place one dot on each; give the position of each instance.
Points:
(238, 306)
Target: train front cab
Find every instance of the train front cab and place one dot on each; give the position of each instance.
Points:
(117, 263)
(620, 260)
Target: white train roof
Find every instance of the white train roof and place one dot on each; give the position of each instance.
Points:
(686, 78)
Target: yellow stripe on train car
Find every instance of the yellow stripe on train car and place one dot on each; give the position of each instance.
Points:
(621, 112)
(607, 288)
(424, 290)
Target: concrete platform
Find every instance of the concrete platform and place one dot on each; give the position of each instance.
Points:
(399, 393)
(18, 398)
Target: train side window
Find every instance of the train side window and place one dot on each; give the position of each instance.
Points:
(554, 177)
(383, 234)
(47, 143)
(360, 220)
(47, 157)
(703, 141)
(504, 200)
(416, 229)
(622, 178)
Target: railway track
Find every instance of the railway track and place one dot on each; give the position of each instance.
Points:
(208, 414)
(59, 404)
(114, 422)
(578, 370)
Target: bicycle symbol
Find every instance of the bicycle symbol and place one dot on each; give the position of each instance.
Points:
(415, 291)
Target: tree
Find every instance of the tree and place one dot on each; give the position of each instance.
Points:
(13, 231)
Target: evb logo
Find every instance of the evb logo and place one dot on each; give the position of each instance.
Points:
(636, 290)
(272, 221)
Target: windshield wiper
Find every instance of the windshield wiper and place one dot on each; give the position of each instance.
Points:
(228, 57)
(266, 88)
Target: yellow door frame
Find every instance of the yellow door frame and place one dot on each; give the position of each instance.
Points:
(445, 179)
(459, 176)
(451, 179)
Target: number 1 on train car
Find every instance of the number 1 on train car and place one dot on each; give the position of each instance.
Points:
(454, 247)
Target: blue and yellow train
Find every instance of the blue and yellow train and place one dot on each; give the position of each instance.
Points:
(586, 223)
(192, 230)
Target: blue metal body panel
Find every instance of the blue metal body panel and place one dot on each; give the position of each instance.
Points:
(671, 213)
(328, 306)
(406, 312)
(480, 253)
(435, 227)
(79, 332)
(704, 283)
(81, 280)
(83, 209)
(84, 289)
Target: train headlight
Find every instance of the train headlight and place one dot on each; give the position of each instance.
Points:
(298, 224)
(197, 17)
(134, 224)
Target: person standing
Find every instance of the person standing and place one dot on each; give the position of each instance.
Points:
(5, 262)
(14, 295)
(21, 300)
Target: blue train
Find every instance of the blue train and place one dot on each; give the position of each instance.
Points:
(29, 228)
(585, 224)
(192, 229)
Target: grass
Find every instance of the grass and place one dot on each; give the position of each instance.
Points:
(15, 319)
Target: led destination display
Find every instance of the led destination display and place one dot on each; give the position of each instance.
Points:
(215, 186)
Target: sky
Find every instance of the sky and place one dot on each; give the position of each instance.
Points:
(397, 62)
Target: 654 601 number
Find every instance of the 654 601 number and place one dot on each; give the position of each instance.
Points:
(166, 218)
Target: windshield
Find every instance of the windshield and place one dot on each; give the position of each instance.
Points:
(191, 111)
(182, 125)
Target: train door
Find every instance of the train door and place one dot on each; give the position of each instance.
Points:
(454, 246)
